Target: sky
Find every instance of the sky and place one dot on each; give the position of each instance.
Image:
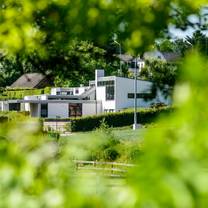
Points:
(176, 33)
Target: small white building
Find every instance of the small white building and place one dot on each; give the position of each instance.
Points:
(104, 94)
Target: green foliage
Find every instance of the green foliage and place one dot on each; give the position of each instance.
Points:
(19, 93)
(108, 147)
(69, 66)
(76, 64)
(29, 25)
(160, 72)
(53, 134)
(126, 118)
(13, 116)
(171, 171)
(198, 41)
(175, 158)
(165, 45)
(10, 70)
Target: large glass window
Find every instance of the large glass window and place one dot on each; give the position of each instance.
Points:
(141, 95)
(44, 110)
(110, 92)
(105, 83)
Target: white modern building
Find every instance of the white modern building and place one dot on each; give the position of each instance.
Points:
(102, 95)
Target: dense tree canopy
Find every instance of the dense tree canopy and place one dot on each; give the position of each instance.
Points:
(28, 24)
(44, 31)
(198, 40)
(160, 72)
(68, 66)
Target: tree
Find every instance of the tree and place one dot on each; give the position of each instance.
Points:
(69, 66)
(28, 25)
(11, 68)
(197, 41)
(162, 74)
(165, 45)
(73, 65)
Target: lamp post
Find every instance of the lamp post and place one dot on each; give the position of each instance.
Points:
(116, 42)
(135, 125)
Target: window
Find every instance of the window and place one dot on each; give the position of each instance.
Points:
(105, 83)
(130, 95)
(14, 106)
(70, 93)
(109, 92)
(77, 91)
(75, 109)
(44, 110)
(141, 95)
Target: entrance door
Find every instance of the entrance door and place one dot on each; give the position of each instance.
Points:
(75, 109)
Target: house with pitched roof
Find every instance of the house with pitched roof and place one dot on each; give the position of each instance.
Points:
(31, 80)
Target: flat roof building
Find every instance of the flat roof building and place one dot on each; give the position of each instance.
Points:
(102, 95)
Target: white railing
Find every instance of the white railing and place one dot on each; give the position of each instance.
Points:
(111, 169)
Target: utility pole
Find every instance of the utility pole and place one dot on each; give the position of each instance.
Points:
(135, 126)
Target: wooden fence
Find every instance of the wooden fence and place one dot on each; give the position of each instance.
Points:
(110, 169)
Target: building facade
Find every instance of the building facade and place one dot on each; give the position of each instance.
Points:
(102, 95)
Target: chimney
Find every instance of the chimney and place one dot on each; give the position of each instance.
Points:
(99, 73)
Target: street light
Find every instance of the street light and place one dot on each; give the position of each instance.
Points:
(116, 42)
(135, 125)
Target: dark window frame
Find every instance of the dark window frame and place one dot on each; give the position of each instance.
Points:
(110, 92)
(141, 96)
(42, 113)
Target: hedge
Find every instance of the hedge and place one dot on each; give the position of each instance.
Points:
(120, 119)
(19, 93)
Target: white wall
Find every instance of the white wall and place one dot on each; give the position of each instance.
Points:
(125, 86)
(80, 90)
(1, 106)
(36, 97)
(58, 109)
(106, 104)
(27, 107)
(90, 108)
(5, 106)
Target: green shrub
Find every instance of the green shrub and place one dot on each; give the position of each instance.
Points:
(3, 119)
(120, 119)
(111, 154)
(54, 134)
(107, 150)
(13, 116)
(19, 93)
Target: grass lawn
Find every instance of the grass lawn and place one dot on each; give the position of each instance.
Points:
(129, 134)
(120, 133)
